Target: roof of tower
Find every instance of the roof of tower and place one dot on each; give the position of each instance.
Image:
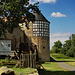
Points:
(40, 17)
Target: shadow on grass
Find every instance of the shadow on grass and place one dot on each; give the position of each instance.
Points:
(47, 72)
(53, 60)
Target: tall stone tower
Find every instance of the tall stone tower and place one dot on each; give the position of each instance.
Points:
(40, 28)
(38, 34)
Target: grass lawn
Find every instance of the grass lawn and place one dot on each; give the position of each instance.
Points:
(18, 71)
(5, 62)
(24, 71)
(63, 58)
(52, 68)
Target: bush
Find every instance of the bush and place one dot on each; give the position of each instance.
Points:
(63, 51)
(60, 56)
(71, 51)
(56, 50)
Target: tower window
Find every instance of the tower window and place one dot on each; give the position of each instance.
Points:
(40, 28)
(43, 47)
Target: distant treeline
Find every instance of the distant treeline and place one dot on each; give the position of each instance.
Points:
(67, 49)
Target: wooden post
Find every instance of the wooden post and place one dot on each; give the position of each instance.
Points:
(22, 61)
(35, 55)
(27, 60)
(31, 60)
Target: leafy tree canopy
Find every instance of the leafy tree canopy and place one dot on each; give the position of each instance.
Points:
(14, 10)
(71, 51)
(58, 44)
(73, 39)
(57, 47)
(67, 44)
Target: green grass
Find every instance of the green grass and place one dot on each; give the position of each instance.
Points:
(6, 62)
(61, 57)
(52, 68)
(18, 71)
(23, 71)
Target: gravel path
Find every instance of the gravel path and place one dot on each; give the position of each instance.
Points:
(66, 66)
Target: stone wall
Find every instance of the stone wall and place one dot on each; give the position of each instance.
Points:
(43, 47)
(16, 37)
(42, 43)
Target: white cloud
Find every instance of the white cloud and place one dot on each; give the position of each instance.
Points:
(47, 1)
(58, 14)
(59, 36)
(43, 1)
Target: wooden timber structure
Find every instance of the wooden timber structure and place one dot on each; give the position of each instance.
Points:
(28, 60)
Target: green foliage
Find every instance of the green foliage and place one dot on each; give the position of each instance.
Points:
(67, 44)
(52, 51)
(63, 51)
(14, 10)
(56, 50)
(73, 39)
(58, 44)
(71, 47)
(71, 51)
(67, 49)
(2, 27)
(57, 47)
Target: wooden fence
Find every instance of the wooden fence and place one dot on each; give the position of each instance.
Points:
(28, 60)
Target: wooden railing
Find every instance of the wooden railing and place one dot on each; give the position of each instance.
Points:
(27, 60)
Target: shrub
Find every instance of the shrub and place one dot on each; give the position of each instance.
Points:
(71, 51)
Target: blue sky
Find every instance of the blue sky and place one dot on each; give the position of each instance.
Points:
(61, 14)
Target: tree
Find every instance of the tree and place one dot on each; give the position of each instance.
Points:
(71, 51)
(58, 44)
(57, 47)
(66, 46)
(63, 51)
(13, 11)
(73, 39)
